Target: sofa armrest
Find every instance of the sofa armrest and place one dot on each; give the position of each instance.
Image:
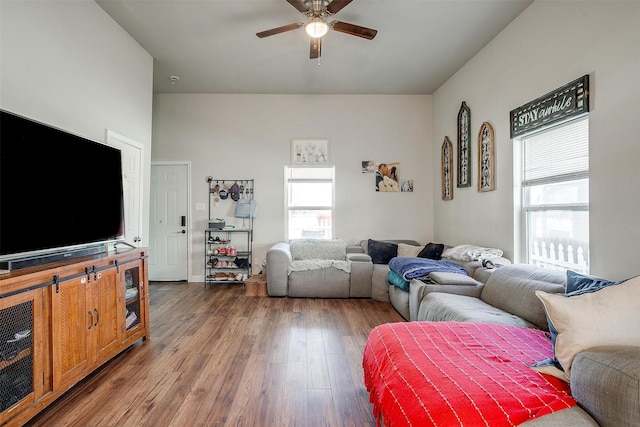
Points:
(606, 383)
(355, 249)
(358, 257)
(278, 262)
(419, 289)
(361, 273)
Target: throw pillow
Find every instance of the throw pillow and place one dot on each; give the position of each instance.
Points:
(578, 283)
(382, 252)
(608, 316)
(408, 251)
(432, 251)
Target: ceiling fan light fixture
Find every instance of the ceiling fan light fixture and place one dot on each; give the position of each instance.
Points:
(316, 27)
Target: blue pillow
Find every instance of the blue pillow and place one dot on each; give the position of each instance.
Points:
(578, 284)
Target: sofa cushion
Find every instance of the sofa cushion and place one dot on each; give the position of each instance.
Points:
(445, 278)
(606, 382)
(440, 306)
(608, 316)
(512, 288)
(382, 252)
(321, 283)
(432, 251)
(318, 249)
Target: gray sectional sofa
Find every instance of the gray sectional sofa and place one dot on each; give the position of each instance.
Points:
(604, 380)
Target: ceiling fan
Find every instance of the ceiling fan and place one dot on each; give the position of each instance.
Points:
(317, 12)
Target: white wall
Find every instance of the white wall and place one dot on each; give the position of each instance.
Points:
(552, 43)
(68, 64)
(248, 137)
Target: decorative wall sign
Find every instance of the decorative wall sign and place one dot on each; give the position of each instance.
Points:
(568, 101)
(486, 158)
(447, 169)
(464, 146)
(309, 151)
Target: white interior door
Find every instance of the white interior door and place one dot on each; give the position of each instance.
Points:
(168, 230)
(132, 155)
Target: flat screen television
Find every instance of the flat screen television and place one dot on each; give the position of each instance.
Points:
(59, 192)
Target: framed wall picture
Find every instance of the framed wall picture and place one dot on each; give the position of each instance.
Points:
(447, 169)
(486, 158)
(309, 151)
(464, 146)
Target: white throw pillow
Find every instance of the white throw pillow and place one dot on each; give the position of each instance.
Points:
(408, 251)
(609, 316)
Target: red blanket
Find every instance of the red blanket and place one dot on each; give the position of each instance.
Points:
(459, 374)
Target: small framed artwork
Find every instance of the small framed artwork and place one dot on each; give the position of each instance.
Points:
(368, 166)
(486, 158)
(406, 185)
(309, 151)
(464, 146)
(447, 169)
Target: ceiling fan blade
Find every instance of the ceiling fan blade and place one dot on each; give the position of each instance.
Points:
(336, 5)
(354, 30)
(298, 4)
(278, 30)
(316, 48)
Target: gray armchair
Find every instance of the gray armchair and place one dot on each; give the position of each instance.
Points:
(318, 268)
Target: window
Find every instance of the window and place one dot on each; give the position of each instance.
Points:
(310, 202)
(555, 196)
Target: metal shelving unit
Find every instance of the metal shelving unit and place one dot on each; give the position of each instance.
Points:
(228, 248)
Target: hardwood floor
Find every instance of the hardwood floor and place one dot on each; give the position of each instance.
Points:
(219, 358)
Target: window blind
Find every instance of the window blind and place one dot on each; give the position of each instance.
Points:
(558, 154)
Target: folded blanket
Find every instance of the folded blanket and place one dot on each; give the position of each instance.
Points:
(317, 264)
(471, 253)
(412, 268)
(396, 280)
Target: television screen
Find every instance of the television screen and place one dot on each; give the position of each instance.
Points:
(57, 190)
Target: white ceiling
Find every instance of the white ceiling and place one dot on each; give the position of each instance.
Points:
(211, 45)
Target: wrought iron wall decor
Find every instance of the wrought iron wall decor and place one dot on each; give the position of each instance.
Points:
(447, 169)
(486, 158)
(464, 146)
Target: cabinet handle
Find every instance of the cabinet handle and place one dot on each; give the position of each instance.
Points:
(91, 323)
(97, 317)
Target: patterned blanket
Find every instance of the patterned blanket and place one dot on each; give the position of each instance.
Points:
(459, 374)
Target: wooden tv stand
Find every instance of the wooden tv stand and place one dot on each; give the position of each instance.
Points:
(61, 321)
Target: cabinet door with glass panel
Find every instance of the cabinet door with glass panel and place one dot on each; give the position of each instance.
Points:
(134, 309)
(23, 367)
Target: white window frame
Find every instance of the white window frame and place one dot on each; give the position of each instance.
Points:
(287, 207)
(525, 209)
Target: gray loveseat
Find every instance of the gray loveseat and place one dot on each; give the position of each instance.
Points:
(317, 268)
(604, 380)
